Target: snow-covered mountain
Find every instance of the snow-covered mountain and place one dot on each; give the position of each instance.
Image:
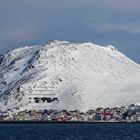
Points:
(64, 75)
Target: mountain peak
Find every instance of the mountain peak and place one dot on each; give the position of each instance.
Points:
(64, 75)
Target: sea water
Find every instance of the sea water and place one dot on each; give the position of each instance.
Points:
(73, 131)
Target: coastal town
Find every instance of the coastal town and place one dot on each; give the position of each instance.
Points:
(115, 114)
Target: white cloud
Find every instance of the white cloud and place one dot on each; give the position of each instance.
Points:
(107, 23)
(128, 27)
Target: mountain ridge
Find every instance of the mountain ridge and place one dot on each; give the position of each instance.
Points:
(64, 75)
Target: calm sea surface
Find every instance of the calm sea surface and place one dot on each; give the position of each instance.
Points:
(110, 131)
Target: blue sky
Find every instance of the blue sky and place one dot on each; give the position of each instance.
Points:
(104, 22)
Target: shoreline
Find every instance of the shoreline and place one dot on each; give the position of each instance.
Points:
(63, 122)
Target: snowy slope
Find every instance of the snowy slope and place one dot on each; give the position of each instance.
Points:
(71, 75)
